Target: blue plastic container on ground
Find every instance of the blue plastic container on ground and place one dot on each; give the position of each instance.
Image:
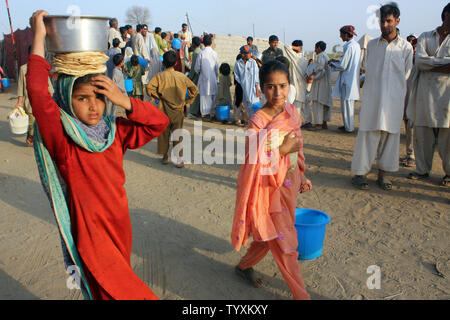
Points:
(311, 226)
(129, 85)
(223, 112)
(6, 83)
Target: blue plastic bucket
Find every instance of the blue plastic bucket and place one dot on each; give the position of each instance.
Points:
(256, 106)
(6, 82)
(129, 85)
(310, 225)
(143, 62)
(223, 112)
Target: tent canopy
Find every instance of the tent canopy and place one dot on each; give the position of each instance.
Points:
(23, 39)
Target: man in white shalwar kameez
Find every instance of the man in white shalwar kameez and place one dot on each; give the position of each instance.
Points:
(429, 104)
(138, 43)
(299, 75)
(347, 84)
(113, 33)
(321, 89)
(186, 34)
(207, 66)
(246, 73)
(389, 64)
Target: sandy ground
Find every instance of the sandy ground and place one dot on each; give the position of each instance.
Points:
(182, 220)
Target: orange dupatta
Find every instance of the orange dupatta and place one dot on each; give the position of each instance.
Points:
(259, 186)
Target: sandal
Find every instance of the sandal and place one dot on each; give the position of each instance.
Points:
(180, 165)
(417, 176)
(445, 181)
(384, 184)
(312, 129)
(408, 162)
(360, 182)
(249, 275)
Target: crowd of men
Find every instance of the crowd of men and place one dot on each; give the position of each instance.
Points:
(405, 81)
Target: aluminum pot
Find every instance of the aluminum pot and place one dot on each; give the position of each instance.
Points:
(76, 33)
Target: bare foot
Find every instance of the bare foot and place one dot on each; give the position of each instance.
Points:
(249, 275)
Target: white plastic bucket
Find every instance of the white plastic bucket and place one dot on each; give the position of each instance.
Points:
(18, 122)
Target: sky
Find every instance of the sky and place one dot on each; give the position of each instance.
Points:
(309, 21)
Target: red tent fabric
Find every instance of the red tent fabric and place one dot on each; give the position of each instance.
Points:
(23, 39)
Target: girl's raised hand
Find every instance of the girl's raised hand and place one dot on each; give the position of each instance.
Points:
(37, 23)
(111, 91)
(39, 32)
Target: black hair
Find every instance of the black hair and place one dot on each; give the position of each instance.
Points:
(207, 40)
(270, 67)
(134, 60)
(163, 35)
(250, 38)
(446, 10)
(389, 9)
(117, 59)
(139, 27)
(273, 38)
(239, 57)
(116, 42)
(284, 61)
(29, 49)
(128, 27)
(176, 35)
(408, 38)
(169, 59)
(113, 22)
(225, 69)
(322, 45)
(158, 30)
(297, 43)
(196, 41)
(184, 24)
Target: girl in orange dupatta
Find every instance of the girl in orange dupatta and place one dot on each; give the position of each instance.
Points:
(268, 184)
